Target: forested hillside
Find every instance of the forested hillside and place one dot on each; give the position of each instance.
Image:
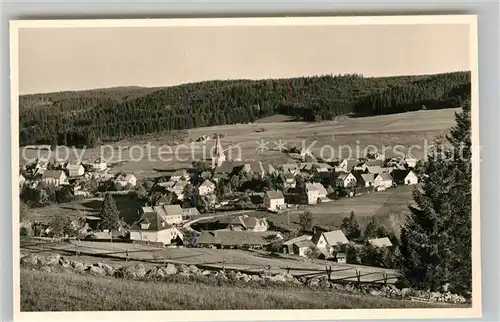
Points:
(91, 116)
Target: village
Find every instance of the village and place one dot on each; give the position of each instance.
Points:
(226, 204)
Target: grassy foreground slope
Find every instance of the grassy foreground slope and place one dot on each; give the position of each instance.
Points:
(42, 291)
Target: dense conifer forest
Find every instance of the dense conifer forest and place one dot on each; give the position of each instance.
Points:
(92, 116)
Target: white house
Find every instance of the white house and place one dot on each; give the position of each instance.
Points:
(328, 241)
(348, 164)
(316, 192)
(125, 180)
(99, 165)
(171, 214)
(288, 180)
(274, 200)
(55, 178)
(206, 188)
(75, 169)
(365, 179)
(301, 247)
(178, 188)
(383, 181)
(154, 228)
(346, 180)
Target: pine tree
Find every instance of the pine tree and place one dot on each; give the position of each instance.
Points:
(109, 213)
(370, 230)
(350, 227)
(460, 223)
(436, 239)
(425, 248)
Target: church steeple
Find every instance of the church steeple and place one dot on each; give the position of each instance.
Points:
(219, 155)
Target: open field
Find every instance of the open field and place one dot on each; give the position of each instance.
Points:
(74, 292)
(145, 158)
(248, 261)
(388, 207)
(127, 205)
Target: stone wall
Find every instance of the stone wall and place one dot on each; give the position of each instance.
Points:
(57, 263)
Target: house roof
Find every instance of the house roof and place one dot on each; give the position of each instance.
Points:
(247, 221)
(54, 174)
(297, 239)
(371, 162)
(399, 175)
(235, 238)
(73, 166)
(368, 177)
(190, 211)
(154, 221)
(289, 166)
(163, 210)
(384, 176)
(304, 243)
(274, 194)
(334, 237)
(351, 163)
(227, 167)
(380, 242)
(374, 169)
(179, 185)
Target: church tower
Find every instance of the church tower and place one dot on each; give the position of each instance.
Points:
(219, 155)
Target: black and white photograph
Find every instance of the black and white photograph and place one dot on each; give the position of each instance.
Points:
(287, 168)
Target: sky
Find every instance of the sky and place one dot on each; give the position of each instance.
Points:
(56, 59)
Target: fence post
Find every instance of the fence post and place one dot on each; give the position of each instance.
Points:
(358, 276)
(126, 256)
(288, 270)
(77, 251)
(385, 279)
(329, 273)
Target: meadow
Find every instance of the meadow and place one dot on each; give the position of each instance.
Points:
(388, 207)
(43, 291)
(152, 155)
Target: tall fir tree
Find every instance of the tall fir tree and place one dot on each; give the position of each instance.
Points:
(460, 224)
(436, 238)
(109, 213)
(425, 253)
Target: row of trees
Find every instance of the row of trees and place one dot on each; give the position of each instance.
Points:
(70, 118)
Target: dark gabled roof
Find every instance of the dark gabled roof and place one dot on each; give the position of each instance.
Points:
(315, 238)
(274, 194)
(399, 175)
